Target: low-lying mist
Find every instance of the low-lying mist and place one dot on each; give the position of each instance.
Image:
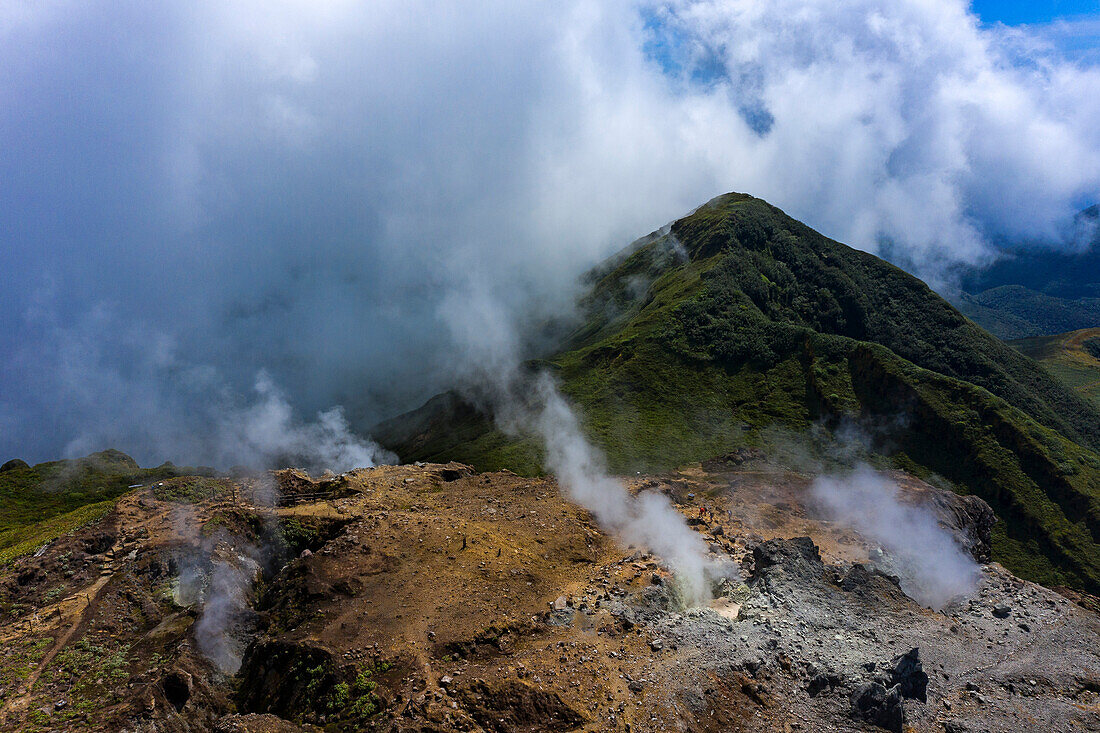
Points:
(267, 430)
(112, 383)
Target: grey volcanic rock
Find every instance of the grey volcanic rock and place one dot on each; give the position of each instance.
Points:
(787, 561)
(909, 675)
(872, 583)
(821, 683)
(874, 704)
(971, 519)
(838, 646)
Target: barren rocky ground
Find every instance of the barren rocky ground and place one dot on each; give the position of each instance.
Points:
(433, 598)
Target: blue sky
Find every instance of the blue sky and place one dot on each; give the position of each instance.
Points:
(1017, 12)
(1070, 26)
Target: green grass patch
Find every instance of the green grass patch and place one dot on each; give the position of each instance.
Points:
(40, 503)
(94, 671)
(18, 541)
(192, 489)
(1072, 358)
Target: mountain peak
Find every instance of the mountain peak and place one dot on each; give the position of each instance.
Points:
(738, 321)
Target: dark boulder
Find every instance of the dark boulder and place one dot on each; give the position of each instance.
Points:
(873, 585)
(909, 676)
(453, 472)
(780, 560)
(872, 703)
(971, 519)
(822, 682)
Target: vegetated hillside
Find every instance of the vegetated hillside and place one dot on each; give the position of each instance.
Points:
(39, 503)
(1074, 358)
(1035, 291)
(1014, 311)
(738, 318)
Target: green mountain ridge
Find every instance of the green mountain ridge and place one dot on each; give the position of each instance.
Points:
(737, 319)
(1015, 312)
(1033, 290)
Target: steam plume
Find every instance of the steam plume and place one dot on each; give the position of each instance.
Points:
(267, 430)
(225, 604)
(648, 519)
(215, 574)
(531, 405)
(934, 570)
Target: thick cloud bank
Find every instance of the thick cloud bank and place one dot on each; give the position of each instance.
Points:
(193, 193)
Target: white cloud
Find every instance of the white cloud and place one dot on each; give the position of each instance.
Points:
(300, 185)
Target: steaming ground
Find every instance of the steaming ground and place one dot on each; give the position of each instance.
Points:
(933, 568)
(412, 598)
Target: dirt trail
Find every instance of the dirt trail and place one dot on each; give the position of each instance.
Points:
(80, 608)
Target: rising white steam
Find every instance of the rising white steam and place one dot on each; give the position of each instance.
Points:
(225, 601)
(647, 519)
(530, 405)
(933, 568)
(214, 576)
(266, 430)
(116, 375)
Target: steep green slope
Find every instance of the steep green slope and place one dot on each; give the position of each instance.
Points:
(738, 318)
(758, 282)
(1073, 358)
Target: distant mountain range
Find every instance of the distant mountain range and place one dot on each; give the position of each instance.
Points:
(1038, 292)
(737, 320)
